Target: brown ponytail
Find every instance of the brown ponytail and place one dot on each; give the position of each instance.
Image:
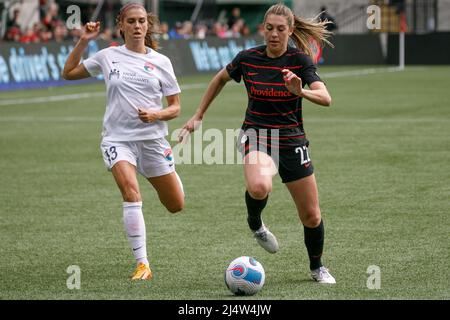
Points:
(304, 29)
(152, 21)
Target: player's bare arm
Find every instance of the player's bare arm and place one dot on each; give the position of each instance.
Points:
(317, 92)
(73, 70)
(214, 88)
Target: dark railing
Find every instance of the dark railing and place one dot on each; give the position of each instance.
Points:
(415, 16)
(349, 19)
(423, 17)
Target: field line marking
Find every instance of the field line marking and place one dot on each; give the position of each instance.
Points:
(310, 120)
(88, 95)
(359, 72)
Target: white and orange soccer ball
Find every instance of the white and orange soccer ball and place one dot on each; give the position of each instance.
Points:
(245, 276)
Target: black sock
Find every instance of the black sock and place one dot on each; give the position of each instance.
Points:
(254, 209)
(314, 238)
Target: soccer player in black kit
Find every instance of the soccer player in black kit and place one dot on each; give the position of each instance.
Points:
(272, 136)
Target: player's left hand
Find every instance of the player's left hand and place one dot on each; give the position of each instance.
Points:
(148, 115)
(292, 82)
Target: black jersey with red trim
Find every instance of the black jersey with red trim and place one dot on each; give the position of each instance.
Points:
(270, 104)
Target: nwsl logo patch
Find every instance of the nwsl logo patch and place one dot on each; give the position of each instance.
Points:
(114, 73)
(148, 66)
(168, 154)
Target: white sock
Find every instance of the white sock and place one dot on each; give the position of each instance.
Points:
(134, 223)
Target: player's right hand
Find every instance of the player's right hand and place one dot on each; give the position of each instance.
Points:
(190, 126)
(91, 30)
(292, 82)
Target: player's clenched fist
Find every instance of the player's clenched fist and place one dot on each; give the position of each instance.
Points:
(91, 30)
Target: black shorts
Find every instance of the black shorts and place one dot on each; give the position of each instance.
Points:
(293, 162)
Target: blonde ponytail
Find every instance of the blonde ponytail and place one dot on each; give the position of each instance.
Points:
(305, 30)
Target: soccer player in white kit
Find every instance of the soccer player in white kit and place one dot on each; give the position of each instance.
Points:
(135, 122)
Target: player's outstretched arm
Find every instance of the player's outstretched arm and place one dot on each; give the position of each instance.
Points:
(73, 70)
(214, 88)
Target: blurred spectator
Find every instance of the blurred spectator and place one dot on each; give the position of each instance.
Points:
(220, 30)
(245, 31)
(325, 16)
(43, 7)
(14, 20)
(235, 16)
(37, 28)
(106, 35)
(175, 32)
(51, 27)
(45, 34)
(187, 30)
(260, 31)
(164, 31)
(51, 19)
(60, 33)
(236, 29)
(201, 30)
(13, 34)
(30, 36)
(75, 34)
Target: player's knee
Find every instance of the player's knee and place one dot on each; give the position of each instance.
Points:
(259, 190)
(175, 207)
(312, 218)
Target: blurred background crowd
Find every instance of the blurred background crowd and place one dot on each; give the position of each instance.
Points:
(51, 24)
(41, 21)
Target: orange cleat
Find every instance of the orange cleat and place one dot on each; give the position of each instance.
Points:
(142, 272)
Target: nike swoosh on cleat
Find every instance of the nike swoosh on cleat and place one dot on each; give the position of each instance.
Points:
(145, 275)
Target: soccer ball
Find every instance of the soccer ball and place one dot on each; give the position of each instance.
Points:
(245, 276)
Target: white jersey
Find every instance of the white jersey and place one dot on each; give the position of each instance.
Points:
(133, 80)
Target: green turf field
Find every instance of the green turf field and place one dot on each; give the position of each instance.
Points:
(381, 155)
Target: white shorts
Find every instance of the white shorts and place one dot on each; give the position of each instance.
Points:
(152, 158)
